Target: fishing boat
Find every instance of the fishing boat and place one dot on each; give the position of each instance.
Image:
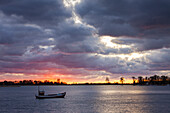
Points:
(41, 95)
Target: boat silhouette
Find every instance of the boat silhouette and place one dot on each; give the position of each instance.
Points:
(41, 95)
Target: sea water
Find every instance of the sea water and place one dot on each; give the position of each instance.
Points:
(87, 99)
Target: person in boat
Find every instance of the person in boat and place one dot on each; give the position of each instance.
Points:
(41, 92)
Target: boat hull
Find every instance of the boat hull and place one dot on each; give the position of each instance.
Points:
(59, 95)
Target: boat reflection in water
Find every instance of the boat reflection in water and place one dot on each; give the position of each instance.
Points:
(41, 95)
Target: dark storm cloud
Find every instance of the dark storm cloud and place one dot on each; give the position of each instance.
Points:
(16, 36)
(145, 19)
(159, 60)
(44, 12)
(79, 38)
(75, 38)
(23, 23)
(24, 26)
(40, 36)
(44, 19)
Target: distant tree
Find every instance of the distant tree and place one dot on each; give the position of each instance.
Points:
(5, 82)
(140, 79)
(58, 81)
(156, 77)
(107, 80)
(122, 79)
(30, 82)
(164, 79)
(20, 82)
(134, 79)
(146, 78)
(35, 82)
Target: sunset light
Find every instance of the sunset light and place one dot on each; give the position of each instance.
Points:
(82, 40)
(84, 56)
(109, 42)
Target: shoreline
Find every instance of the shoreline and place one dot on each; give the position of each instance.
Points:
(84, 85)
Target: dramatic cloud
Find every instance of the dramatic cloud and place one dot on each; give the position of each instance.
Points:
(146, 19)
(43, 12)
(83, 40)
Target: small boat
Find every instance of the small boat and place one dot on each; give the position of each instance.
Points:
(59, 95)
(41, 95)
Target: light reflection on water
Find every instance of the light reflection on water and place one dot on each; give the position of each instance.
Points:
(136, 92)
(87, 99)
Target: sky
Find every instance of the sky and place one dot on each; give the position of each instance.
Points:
(84, 40)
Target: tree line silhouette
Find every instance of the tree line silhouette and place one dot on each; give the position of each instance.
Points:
(152, 80)
(31, 82)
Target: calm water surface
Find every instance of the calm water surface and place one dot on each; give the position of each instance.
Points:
(87, 99)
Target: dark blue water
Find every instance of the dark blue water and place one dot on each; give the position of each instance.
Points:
(87, 99)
